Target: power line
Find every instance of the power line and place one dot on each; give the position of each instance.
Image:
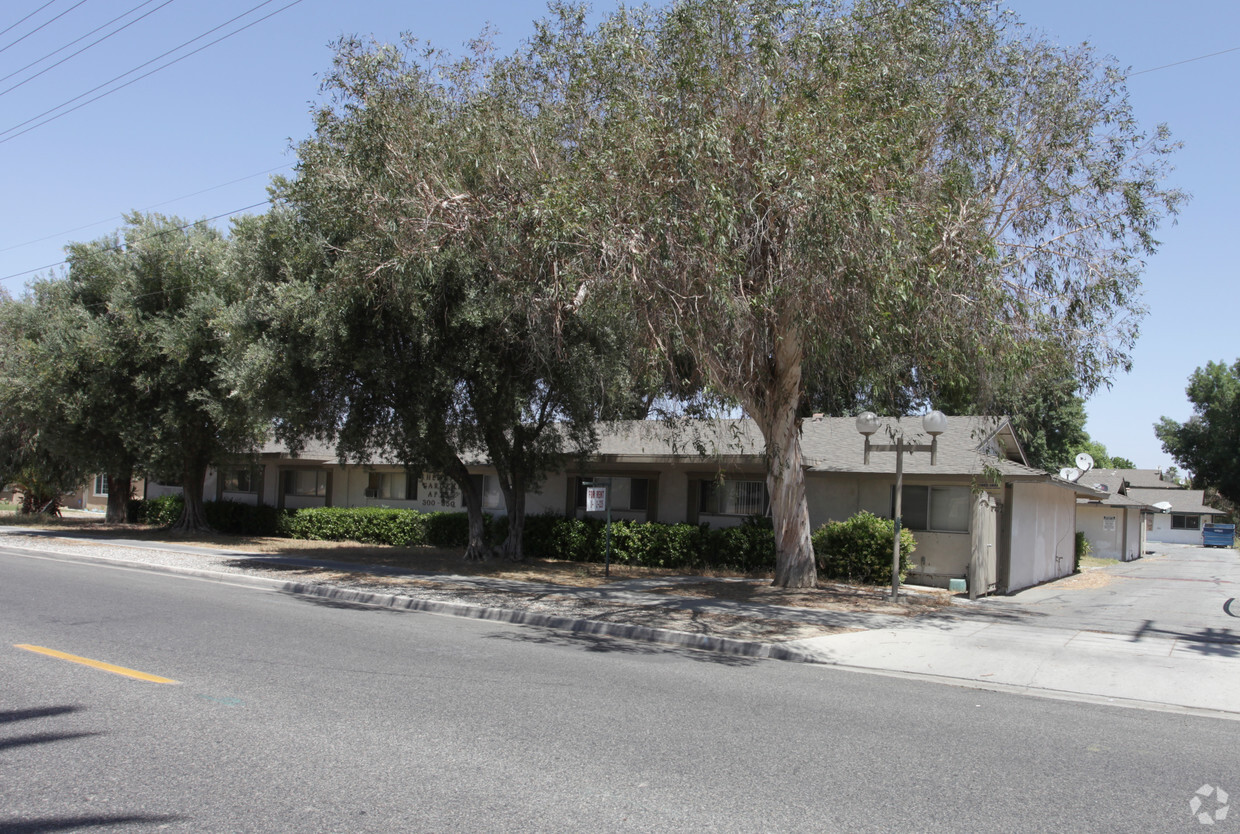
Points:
(146, 208)
(83, 49)
(27, 17)
(144, 75)
(140, 240)
(41, 25)
(1185, 61)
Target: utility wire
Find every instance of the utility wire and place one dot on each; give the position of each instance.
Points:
(141, 239)
(1185, 61)
(144, 75)
(147, 208)
(27, 17)
(83, 49)
(41, 25)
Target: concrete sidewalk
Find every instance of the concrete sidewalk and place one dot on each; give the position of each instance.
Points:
(998, 645)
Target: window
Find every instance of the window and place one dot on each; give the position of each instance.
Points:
(623, 493)
(240, 480)
(394, 486)
(934, 509)
(101, 485)
(305, 482)
(734, 498)
(1185, 522)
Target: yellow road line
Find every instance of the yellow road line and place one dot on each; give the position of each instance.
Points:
(95, 664)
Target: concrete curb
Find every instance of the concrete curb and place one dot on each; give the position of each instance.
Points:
(644, 634)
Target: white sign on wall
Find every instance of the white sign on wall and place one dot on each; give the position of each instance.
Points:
(1108, 523)
(596, 499)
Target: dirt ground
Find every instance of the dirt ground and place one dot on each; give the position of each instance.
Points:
(430, 562)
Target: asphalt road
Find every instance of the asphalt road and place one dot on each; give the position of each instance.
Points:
(1179, 591)
(299, 715)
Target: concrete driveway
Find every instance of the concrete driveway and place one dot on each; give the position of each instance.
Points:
(1180, 591)
(1151, 634)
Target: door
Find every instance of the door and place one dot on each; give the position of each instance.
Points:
(983, 562)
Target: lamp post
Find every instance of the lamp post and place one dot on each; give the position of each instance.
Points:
(935, 424)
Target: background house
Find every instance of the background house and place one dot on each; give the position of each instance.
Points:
(1163, 510)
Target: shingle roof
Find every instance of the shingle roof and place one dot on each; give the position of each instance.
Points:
(970, 446)
(1146, 479)
(1181, 500)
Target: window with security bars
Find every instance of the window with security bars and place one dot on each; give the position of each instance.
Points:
(734, 498)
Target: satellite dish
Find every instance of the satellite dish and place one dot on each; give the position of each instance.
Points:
(1163, 506)
(1084, 462)
(1071, 474)
(1101, 487)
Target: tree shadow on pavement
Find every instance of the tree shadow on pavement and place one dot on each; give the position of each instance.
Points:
(1208, 642)
(612, 645)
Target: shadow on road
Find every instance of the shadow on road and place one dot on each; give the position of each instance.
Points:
(609, 645)
(68, 823)
(40, 738)
(9, 716)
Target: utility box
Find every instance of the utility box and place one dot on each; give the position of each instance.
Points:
(1218, 535)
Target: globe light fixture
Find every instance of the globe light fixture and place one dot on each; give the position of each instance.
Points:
(934, 423)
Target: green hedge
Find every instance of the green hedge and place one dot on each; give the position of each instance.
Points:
(859, 549)
(748, 547)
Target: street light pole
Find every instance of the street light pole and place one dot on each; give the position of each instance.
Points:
(935, 424)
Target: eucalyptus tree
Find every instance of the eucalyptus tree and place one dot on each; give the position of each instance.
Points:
(417, 312)
(840, 193)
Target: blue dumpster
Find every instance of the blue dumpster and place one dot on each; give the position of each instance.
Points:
(1218, 535)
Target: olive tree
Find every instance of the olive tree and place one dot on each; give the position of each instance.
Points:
(416, 311)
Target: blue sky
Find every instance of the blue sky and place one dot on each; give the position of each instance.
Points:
(200, 138)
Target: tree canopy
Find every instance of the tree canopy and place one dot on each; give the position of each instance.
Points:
(868, 192)
(428, 319)
(1206, 442)
(128, 361)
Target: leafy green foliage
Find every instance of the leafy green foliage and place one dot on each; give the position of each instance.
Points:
(816, 198)
(1206, 443)
(413, 273)
(860, 549)
(371, 525)
(1082, 550)
(748, 547)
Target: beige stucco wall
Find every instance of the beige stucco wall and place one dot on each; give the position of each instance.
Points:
(1123, 538)
(1043, 530)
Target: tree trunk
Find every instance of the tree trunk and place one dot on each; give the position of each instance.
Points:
(776, 416)
(795, 565)
(120, 487)
(475, 548)
(194, 517)
(514, 501)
